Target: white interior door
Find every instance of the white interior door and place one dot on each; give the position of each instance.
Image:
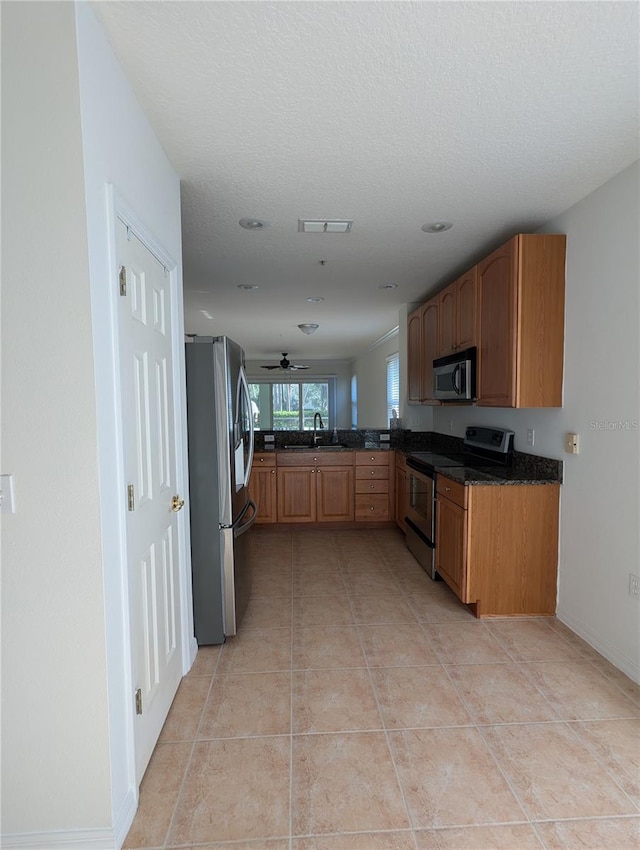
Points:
(150, 472)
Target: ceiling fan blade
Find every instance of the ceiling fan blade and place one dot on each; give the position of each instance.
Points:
(271, 367)
(298, 367)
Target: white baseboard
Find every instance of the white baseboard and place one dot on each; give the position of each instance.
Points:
(629, 666)
(124, 817)
(73, 839)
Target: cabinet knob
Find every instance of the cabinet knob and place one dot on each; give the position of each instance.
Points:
(373, 472)
(372, 486)
(448, 489)
(312, 471)
(372, 459)
(315, 459)
(372, 508)
(273, 472)
(261, 460)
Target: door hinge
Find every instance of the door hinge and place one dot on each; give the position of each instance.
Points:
(131, 497)
(122, 277)
(139, 701)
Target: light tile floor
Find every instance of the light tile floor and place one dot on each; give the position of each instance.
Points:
(362, 707)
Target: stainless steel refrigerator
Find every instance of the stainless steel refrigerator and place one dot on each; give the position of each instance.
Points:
(220, 433)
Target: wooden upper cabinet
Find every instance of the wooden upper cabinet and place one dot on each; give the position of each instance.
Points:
(447, 331)
(414, 357)
(457, 303)
(521, 306)
(429, 329)
(496, 368)
(467, 309)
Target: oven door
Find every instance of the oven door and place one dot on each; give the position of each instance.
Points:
(420, 502)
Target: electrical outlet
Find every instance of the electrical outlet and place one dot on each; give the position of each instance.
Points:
(531, 437)
(634, 585)
(571, 443)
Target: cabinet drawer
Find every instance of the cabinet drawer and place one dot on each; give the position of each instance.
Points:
(374, 507)
(371, 473)
(311, 458)
(375, 485)
(372, 459)
(452, 490)
(261, 459)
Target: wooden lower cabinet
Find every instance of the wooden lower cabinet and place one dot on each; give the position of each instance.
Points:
(263, 490)
(334, 494)
(315, 487)
(296, 494)
(497, 546)
(373, 486)
(451, 534)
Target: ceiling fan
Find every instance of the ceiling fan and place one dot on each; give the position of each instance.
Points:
(285, 365)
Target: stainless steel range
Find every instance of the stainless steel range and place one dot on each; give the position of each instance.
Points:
(483, 447)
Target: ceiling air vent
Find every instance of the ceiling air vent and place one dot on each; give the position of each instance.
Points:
(324, 225)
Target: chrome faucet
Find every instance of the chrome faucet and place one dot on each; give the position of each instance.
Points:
(316, 417)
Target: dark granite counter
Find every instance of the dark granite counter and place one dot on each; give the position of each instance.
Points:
(468, 475)
(524, 468)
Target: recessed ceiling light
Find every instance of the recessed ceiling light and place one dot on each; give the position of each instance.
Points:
(252, 223)
(308, 328)
(437, 227)
(388, 286)
(248, 287)
(314, 300)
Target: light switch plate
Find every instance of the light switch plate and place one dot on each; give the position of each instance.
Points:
(7, 495)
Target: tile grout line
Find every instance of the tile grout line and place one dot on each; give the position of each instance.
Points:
(389, 747)
(193, 747)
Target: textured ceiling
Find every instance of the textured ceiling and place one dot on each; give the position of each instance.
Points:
(494, 116)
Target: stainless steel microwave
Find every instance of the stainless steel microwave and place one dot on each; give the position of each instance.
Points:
(454, 376)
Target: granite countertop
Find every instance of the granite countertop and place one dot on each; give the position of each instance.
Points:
(468, 475)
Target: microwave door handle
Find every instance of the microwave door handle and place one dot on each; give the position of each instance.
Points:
(456, 388)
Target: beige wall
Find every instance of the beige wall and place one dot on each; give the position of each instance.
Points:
(55, 766)
(371, 372)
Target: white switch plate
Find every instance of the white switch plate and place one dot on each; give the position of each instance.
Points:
(572, 443)
(531, 437)
(7, 496)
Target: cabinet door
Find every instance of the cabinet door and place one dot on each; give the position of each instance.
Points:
(447, 332)
(401, 498)
(334, 494)
(467, 310)
(429, 346)
(497, 284)
(262, 489)
(296, 494)
(451, 545)
(414, 358)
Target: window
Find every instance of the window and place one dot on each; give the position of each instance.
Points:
(291, 405)
(393, 385)
(354, 401)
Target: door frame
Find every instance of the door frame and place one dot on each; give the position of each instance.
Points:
(120, 682)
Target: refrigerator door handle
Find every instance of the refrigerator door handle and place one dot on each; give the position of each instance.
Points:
(238, 526)
(245, 390)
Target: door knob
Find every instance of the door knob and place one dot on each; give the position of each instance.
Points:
(177, 504)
